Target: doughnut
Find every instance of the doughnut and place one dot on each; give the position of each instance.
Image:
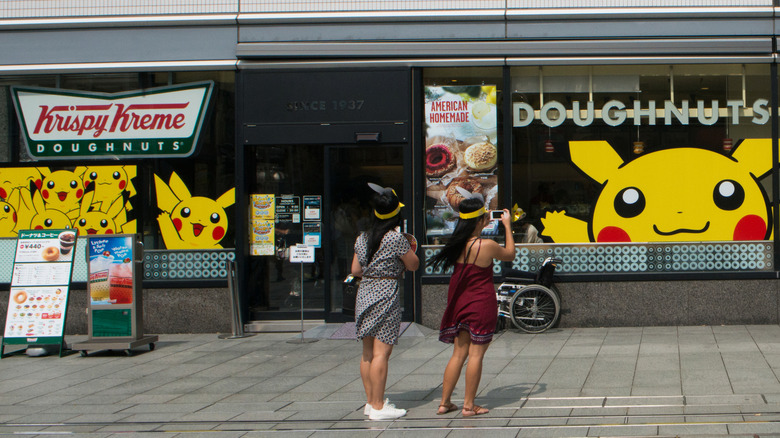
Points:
(481, 156)
(50, 253)
(20, 297)
(439, 160)
(453, 197)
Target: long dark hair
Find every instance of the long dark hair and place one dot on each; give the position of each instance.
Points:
(383, 204)
(463, 232)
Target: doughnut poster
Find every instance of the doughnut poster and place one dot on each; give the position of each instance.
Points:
(460, 151)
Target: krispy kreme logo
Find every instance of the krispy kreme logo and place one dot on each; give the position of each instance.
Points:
(161, 122)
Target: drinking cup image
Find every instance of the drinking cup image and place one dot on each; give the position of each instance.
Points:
(98, 287)
(120, 283)
(67, 240)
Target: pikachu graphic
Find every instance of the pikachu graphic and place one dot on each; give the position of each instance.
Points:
(671, 195)
(8, 214)
(91, 219)
(46, 218)
(190, 222)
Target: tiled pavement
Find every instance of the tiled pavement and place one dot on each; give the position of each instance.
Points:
(644, 381)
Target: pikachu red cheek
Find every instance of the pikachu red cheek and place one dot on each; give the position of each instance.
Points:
(613, 234)
(3, 194)
(79, 193)
(177, 224)
(15, 217)
(218, 233)
(45, 194)
(122, 185)
(750, 227)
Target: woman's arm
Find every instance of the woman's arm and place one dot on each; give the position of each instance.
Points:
(357, 270)
(507, 253)
(411, 261)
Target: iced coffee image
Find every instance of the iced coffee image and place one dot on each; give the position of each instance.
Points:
(67, 240)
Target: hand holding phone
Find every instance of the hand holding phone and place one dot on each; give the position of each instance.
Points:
(495, 215)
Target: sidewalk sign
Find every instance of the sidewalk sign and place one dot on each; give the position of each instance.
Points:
(115, 310)
(301, 254)
(38, 301)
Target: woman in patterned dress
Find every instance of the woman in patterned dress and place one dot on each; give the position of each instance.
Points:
(381, 256)
(470, 317)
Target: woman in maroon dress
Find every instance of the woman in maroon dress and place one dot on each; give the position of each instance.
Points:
(470, 317)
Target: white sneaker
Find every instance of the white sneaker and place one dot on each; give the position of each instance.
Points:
(367, 409)
(386, 413)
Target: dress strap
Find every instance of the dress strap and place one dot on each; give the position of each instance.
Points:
(468, 251)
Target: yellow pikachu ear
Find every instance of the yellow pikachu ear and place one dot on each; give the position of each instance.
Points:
(227, 199)
(80, 171)
(596, 158)
(37, 200)
(166, 200)
(116, 207)
(179, 188)
(86, 202)
(755, 154)
(15, 199)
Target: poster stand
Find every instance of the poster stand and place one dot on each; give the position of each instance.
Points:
(115, 311)
(302, 254)
(38, 299)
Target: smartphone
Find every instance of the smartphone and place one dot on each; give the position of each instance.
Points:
(495, 215)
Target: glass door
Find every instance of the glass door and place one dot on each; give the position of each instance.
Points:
(348, 213)
(292, 174)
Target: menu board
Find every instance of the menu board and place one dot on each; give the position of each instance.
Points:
(110, 270)
(460, 151)
(40, 282)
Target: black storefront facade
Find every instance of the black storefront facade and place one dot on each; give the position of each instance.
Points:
(607, 135)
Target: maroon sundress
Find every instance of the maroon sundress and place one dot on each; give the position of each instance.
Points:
(471, 303)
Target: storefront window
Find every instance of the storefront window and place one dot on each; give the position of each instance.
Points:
(669, 166)
(206, 176)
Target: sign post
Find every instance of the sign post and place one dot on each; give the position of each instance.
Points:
(115, 295)
(301, 254)
(38, 302)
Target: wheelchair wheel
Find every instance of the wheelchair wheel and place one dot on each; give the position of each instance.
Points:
(535, 308)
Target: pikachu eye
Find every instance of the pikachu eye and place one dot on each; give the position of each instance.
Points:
(103, 223)
(74, 184)
(185, 212)
(728, 195)
(82, 222)
(48, 222)
(116, 175)
(214, 218)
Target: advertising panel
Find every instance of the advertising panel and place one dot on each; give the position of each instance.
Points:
(460, 151)
(110, 270)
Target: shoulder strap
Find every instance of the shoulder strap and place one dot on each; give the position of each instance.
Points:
(468, 251)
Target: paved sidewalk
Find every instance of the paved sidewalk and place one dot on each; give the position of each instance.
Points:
(651, 381)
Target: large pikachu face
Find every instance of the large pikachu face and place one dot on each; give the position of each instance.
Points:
(200, 222)
(683, 194)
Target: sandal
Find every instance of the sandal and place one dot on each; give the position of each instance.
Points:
(448, 407)
(476, 410)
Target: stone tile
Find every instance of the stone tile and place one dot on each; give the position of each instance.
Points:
(624, 430)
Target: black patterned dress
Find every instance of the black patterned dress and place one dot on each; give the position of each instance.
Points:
(378, 304)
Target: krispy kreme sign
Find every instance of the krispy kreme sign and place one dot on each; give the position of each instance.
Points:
(155, 123)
